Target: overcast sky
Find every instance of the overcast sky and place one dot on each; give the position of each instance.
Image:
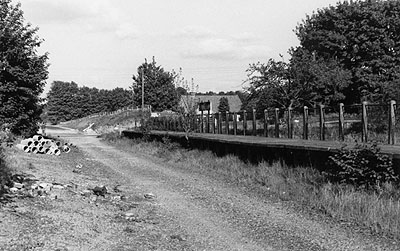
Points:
(100, 43)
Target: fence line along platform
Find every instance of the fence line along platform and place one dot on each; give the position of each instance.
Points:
(256, 149)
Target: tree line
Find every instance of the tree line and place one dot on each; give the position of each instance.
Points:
(67, 101)
(348, 53)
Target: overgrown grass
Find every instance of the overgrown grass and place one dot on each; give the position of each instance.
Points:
(5, 173)
(378, 210)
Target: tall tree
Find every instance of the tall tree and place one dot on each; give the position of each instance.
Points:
(22, 71)
(363, 38)
(159, 89)
(63, 101)
(223, 105)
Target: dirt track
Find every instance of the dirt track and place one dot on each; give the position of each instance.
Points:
(189, 212)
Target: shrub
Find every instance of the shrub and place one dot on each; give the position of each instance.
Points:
(5, 174)
(363, 166)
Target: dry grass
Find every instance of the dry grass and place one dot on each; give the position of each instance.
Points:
(5, 173)
(379, 211)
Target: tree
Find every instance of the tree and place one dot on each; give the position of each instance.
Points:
(67, 101)
(159, 89)
(223, 105)
(22, 71)
(362, 38)
(272, 85)
(63, 102)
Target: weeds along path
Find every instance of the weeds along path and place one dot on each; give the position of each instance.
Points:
(214, 215)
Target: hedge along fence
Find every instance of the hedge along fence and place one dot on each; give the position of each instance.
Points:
(361, 122)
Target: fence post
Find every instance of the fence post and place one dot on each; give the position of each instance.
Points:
(220, 122)
(234, 123)
(305, 122)
(392, 123)
(364, 121)
(276, 122)
(201, 122)
(208, 121)
(341, 122)
(254, 122)
(289, 123)
(175, 124)
(265, 123)
(244, 122)
(195, 123)
(321, 122)
(213, 123)
(227, 122)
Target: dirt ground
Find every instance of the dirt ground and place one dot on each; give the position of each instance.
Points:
(150, 205)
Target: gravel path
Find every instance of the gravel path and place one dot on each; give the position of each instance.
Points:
(221, 217)
(197, 212)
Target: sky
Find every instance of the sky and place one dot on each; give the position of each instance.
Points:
(101, 43)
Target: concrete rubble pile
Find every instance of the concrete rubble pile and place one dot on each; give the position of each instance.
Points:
(28, 186)
(38, 144)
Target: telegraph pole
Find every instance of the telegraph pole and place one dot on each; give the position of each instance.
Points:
(142, 90)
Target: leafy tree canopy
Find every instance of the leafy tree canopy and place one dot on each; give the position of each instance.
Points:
(22, 71)
(159, 88)
(363, 38)
(348, 53)
(223, 105)
(67, 101)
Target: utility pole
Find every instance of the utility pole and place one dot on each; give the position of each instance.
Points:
(143, 88)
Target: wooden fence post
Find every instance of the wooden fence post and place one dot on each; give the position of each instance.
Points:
(220, 122)
(227, 123)
(194, 122)
(392, 123)
(341, 122)
(276, 122)
(321, 122)
(244, 122)
(201, 122)
(234, 123)
(254, 122)
(173, 124)
(213, 123)
(208, 121)
(164, 121)
(364, 121)
(289, 123)
(305, 122)
(265, 123)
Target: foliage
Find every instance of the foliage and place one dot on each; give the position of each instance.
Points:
(295, 84)
(5, 173)
(362, 166)
(188, 105)
(348, 53)
(67, 101)
(159, 89)
(22, 71)
(362, 37)
(223, 105)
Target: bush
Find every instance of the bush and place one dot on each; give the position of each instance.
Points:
(363, 166)
(5, 174)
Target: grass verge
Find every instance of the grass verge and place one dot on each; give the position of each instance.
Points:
(377, 210)
(5, 173)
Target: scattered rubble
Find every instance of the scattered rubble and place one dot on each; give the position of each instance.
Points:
(149, 196)
(100, 191)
